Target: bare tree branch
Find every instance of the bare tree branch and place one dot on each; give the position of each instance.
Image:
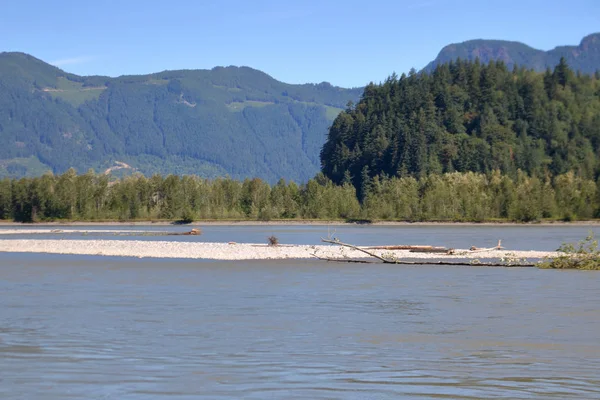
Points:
(358, 249)
(345, 260)
(402, 262)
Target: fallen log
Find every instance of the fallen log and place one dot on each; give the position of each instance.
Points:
(270, 245)
(345, 260)
(497, 247)
(403, 247)
(355, 248)
(420, 262)
(439, 262)
(412, 248)
(431, 250)
(193, 232)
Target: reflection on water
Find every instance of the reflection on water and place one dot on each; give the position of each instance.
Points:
(76, 327)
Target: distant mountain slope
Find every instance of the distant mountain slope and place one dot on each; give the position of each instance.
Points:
(584, 58)
(236, 121)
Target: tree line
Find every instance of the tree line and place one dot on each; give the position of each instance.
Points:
(456, 196)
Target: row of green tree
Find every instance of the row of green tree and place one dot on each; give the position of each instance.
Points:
(468, 116)
(447, 197)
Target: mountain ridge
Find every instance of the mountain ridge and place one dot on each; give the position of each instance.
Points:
(235, 121)
(228, 120)
(181, 70)
(514, 52)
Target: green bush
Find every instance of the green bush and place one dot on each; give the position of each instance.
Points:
(584, 255)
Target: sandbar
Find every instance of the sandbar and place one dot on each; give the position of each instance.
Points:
(234, 251)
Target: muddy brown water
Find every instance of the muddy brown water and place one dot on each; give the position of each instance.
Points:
(78, 327)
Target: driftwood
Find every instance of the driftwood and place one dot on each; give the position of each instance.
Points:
(355, 248)
(439, 262)
(431, 250)
(498, 247)
(269, 245)
(344, 260)
(420, 262)
(406, 247)
(193, 232)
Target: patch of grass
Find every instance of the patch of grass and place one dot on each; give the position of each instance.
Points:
(74, 92)
(149, 165)
(229, 89)
(19, 167)
(237, 106)
(63, 83)
(234, 89)
(158, 82)
(332, 112)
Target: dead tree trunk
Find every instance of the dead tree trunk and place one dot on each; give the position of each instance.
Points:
(423, 262)
(355, 248)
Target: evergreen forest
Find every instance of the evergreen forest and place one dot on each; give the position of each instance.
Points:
(469, 117)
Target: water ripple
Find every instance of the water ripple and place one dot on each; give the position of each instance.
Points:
(176, 330)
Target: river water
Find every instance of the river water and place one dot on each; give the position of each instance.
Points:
(78, 327)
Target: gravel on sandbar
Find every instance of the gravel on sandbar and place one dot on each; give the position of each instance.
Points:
(235, 251)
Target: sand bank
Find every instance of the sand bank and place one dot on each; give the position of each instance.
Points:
(237, 251)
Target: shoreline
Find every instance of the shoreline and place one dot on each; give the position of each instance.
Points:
(236, 251)
(295, 223)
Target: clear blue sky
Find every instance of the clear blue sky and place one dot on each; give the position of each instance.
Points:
(347, 43)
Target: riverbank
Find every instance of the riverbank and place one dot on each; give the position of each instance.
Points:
(235, 251)
(297, 222)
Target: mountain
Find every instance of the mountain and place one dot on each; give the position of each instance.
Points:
(584, 58)
(233, 121)
(468, 116)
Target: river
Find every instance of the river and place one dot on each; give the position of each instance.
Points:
(91, 327)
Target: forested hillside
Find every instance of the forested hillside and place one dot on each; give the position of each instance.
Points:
(469, 142)
(225, 121)
(584, 58)
(467, 116)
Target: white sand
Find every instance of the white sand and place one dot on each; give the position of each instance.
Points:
(224, 251)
